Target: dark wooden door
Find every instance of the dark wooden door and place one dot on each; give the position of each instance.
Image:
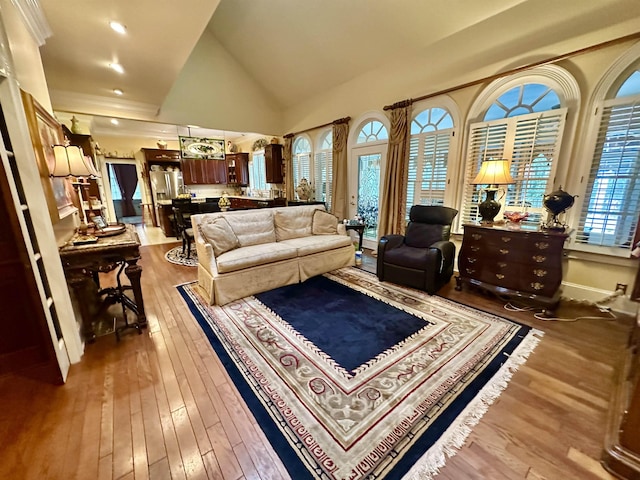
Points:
(273, 163)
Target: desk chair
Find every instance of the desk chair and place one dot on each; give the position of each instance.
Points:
(117, 295)
(184, 230)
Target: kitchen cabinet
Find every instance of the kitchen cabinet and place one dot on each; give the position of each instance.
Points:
(196, 171)
(273, 163)
(238, 168)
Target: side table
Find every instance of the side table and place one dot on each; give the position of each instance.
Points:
(358, 227)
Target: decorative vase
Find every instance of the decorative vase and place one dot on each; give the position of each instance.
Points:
(303, 190)
(556, 203)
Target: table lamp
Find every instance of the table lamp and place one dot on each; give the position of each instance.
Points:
(70, 162)
(492, 173)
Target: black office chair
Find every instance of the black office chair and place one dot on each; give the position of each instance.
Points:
(423, 257)
(184, 231)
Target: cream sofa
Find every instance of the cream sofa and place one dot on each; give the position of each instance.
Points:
(244, 252)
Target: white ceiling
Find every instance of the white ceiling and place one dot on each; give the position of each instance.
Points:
(293, 49)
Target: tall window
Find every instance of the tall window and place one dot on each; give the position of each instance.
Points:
(431, 132)
(302, 161)
(609, 215)
(323, 162)
(257, 173)
(524, 125)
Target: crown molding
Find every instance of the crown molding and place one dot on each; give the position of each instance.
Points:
(34, 19)
(104, 106)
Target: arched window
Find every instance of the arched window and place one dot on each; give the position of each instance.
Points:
(611, 204)
(431, 132)
(302, 160)
(323, 168)
(372, 131)
(523, 119)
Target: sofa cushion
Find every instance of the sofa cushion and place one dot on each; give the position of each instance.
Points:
(292, 222)
(254, 255)
(317, 243)
(219, 234)
(324, 223)
(253, 228)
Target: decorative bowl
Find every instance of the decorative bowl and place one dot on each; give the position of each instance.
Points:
(516, 217)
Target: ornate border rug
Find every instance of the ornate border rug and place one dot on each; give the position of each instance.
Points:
(175, 256)
(397, 407)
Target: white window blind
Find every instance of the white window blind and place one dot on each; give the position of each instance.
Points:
(609, 216)
(324, 176)
(428, 159)
(302, 167)
(532, 143)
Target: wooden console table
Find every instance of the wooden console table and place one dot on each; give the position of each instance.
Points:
(523, 264)
(83, 263)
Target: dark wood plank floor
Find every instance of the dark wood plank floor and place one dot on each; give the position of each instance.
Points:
(160, 405)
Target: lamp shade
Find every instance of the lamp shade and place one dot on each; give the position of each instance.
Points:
(71, 162)
(493, 172)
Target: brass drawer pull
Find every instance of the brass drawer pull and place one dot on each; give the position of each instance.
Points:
(470, 270)
(499, 276)
(504, 251)
(542, 245)
(474, 248)
(538, 272)
(472, 259)
(537, 286)
(476, 236)
(539, 258)
(506, 239)
(502, 264)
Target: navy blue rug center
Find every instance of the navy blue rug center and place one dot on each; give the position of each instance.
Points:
(349, 326)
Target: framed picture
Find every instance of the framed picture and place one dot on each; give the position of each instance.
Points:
(45, 132)
(207, 148)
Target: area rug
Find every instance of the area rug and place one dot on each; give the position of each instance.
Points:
(352, 378)
(175, 256)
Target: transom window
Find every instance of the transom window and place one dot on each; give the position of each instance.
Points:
(431, 132)
(523, 99)
(372, 131)
(323, 168)
(609, 215)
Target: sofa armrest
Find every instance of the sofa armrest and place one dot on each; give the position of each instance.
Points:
(342, 230)
(206, 257)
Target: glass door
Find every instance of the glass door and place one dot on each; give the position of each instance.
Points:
(364, 190)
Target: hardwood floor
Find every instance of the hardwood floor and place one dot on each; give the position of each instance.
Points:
(160, 405)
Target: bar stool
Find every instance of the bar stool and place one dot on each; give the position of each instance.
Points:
(147, 213)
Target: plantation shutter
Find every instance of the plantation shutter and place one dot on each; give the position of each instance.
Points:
(532, 143)
(427, 174)
(323, 176)
(609, 215)
(302, 167)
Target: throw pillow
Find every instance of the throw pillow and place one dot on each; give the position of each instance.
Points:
(219, 234)
(324, 223)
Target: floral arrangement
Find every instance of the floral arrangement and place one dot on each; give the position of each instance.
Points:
(224, 202)
(260, 144)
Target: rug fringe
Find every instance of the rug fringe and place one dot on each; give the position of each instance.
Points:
(456, 435)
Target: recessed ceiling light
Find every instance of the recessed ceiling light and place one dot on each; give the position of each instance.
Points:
(117, 67)
(118, 27)
(118, 91)
(114, 121)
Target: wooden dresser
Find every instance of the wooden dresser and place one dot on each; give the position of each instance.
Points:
(523, 264)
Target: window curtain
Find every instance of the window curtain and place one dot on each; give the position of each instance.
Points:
(339, 200)
(127, 178)
(288, 168)
(394, 191)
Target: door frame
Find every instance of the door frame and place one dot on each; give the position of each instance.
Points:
(106, 182)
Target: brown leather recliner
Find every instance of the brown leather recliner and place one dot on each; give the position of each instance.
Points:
(422, 258)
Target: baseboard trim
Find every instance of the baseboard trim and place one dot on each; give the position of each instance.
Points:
(582, 293)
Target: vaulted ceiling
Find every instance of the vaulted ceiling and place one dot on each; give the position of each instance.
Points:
(292, 50)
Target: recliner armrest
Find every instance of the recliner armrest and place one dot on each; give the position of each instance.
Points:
(388, 242)
(447, 251)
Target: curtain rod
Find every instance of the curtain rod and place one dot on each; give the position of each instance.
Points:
(591, 48)
(335, 122)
